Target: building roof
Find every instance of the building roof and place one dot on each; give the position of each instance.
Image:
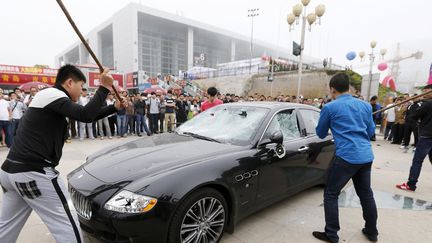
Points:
(193, 23)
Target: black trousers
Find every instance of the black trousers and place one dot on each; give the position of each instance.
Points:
(161, 122)
(154, 118)
(398, 133)
(410, 127)
(387, 134)
(112, 120)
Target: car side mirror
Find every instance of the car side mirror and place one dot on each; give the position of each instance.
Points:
(277, 137)
(276, 141)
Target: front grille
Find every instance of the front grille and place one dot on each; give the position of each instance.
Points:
(81, 204)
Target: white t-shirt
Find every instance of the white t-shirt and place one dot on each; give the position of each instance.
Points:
(154, 105)
(391, 115)
(83, 100)
(4, 112)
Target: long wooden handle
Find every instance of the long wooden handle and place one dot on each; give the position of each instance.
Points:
(87, 46)
(402, 102)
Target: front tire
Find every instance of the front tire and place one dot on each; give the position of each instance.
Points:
(200, 218)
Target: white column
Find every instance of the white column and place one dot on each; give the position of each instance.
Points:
(82, 54)
(233, 50)
(190, 47)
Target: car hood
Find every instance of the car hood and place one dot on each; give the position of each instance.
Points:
(151, 156)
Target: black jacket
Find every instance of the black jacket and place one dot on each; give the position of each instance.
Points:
(140, 107)
(410, 111)
(44, 128)
(424, 114)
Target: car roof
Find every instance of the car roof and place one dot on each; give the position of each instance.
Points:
(271, 105)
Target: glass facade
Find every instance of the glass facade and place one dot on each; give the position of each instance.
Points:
(162, 45)
(107, 46)
(213, 47)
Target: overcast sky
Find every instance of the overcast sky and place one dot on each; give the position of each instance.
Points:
(33, 32)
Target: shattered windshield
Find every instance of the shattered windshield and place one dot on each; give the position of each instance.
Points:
(226, 124)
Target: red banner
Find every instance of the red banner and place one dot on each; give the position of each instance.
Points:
(132, 80)
(129, 80)
(27, 70)
(94, 82)
(18, 79)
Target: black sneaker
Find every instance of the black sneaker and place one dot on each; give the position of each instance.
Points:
(322, 236)
(372, 238)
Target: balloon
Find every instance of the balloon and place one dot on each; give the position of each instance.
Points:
(351, 55)
(382, 66)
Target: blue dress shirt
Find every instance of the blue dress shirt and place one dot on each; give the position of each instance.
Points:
(352, 126)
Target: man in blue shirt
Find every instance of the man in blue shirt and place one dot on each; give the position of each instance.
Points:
(351, 123)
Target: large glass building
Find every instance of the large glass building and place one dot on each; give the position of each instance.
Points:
(138, 38)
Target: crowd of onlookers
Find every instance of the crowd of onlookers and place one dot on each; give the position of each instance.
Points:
(154, 113)
(147, 114)
(12, 108)
(397, 123)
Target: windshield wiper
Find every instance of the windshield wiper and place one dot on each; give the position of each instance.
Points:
(194, 135)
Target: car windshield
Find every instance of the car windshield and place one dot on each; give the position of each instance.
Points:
(235, 125)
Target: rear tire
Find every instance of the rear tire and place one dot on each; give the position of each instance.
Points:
(202, 216)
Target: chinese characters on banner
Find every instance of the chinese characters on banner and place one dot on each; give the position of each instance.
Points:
(28, 70)
(132, 80)
(94, 79)
(18, 79)
(17, 75)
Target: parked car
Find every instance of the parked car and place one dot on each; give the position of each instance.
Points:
(199, 182)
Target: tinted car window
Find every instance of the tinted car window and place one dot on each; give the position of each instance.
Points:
(285, 121)
(310, 118)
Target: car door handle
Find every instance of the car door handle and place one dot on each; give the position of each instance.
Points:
(303, 149)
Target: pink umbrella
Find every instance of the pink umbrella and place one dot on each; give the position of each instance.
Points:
(155, 89)
(39, 85)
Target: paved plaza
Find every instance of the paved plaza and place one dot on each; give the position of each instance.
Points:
(403, 216)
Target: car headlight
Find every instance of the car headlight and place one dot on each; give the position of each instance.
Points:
(129, 202)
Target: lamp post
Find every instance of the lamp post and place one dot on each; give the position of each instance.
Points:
(252, 13)
(299, 12)
(372, 57)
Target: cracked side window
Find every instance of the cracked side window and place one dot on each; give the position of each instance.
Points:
(285, 121)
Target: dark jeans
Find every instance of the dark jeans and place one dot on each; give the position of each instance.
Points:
(13, 128)
(140, 120)
(339, 174)
(424, 147)
(387, 133)
(121, 125)
(6, 127)
(410, 127)
(161, 122)
(398, 133)
(130, 123)
(154, 118)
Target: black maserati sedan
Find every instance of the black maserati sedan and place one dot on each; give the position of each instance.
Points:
(199, 182)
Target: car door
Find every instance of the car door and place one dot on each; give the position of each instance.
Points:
(279, 176)
(320, 152)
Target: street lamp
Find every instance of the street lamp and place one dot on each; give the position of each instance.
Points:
(252, 13)
(372, 56)
(299, 12)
